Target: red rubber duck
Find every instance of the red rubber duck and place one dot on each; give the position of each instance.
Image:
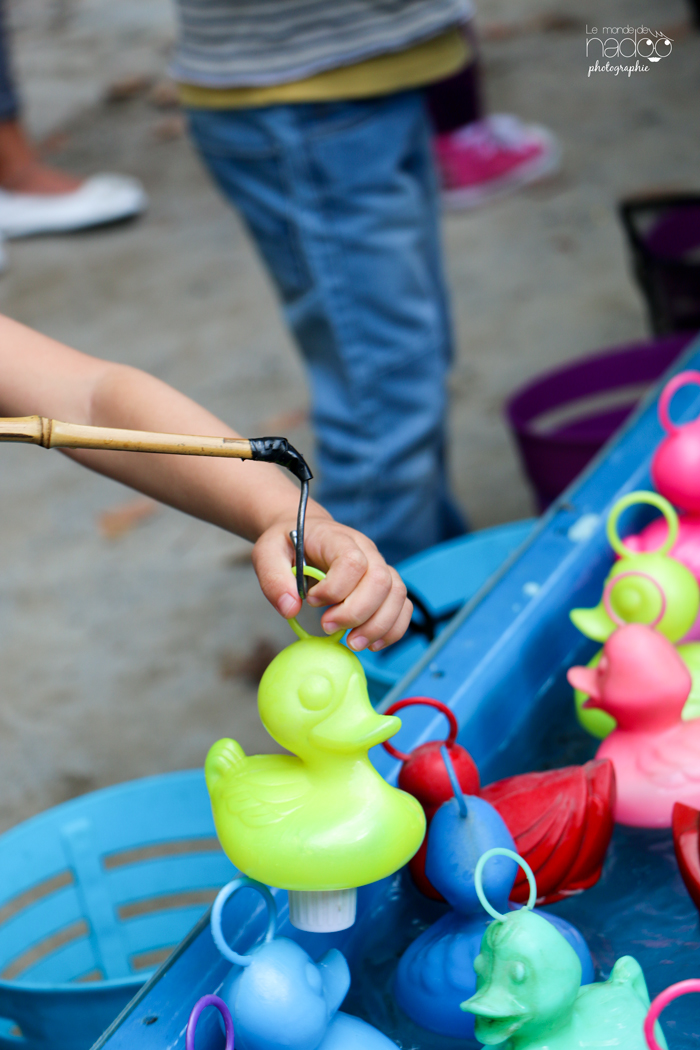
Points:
(561, 820)
(686, 841)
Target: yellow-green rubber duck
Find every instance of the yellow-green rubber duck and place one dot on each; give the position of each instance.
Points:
(321, 818)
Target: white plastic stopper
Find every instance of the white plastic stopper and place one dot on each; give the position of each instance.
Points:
(322, 911)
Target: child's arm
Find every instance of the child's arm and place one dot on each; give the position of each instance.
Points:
(39, 376)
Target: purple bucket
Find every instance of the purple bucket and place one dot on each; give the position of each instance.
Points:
(664, 236)
(562, 418)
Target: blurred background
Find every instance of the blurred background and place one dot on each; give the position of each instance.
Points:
(131, 637)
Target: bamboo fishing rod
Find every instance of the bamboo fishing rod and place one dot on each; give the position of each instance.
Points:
(51, 433)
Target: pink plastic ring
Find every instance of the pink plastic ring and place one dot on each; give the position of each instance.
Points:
(662, 1000)
(426, 701)
(199, 1006)
(613, 583)
(673, 385)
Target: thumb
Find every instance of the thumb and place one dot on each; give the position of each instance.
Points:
(272, 564)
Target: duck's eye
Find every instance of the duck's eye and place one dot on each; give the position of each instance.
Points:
(517, 972)
(315, 692)
(479, 964)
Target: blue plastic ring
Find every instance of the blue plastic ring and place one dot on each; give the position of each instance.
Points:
(217, 909)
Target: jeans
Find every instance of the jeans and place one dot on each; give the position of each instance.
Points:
(9, 106)
(341, 200)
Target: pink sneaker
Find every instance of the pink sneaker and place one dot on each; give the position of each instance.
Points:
(491, 158)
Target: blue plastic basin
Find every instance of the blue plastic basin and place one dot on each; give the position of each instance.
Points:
(94, 895)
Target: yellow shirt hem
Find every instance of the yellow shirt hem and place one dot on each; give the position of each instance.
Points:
(422, 64)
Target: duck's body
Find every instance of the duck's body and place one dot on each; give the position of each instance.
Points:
(654, 770)
(594, 1021)
(283, 1000)
(322, 818)
(529, 994)
(644, 684)
(261, 808)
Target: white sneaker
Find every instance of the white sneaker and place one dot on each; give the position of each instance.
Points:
(100, 199)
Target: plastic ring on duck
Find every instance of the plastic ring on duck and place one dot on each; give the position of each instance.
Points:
(610, 586)
(425, 701)
(500, 851)
(631, 500)
(297, 628)
(217, 909)
(662, 1000)
(198, 1008)
(672, 387)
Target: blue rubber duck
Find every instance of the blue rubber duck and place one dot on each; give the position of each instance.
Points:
(436, 972)
(280, 999)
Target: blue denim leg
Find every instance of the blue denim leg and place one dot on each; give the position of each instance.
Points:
(342, 203)
(9, 106)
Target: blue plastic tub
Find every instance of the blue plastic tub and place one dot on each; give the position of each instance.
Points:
(94, 895)
(440, 581)
(500, 666)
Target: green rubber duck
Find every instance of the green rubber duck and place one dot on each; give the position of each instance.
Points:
(529, 994)
(321, 818)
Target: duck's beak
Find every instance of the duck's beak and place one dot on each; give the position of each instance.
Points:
(498, 1014)
(354, 724)
(494, 1003)
(594, 623)
(586, 680)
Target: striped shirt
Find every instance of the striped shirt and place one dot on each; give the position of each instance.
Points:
(238, 43)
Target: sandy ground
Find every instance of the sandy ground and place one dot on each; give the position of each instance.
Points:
(126, 656)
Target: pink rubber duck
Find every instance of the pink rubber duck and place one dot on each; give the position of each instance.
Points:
(675, 471)
(643, 683)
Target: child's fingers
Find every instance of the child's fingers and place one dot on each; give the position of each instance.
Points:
(397, 631)
(272, 563)
(385, 622)
(344, 562)
(365, 595)
(380, 593)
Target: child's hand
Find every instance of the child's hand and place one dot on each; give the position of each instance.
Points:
(363, 591)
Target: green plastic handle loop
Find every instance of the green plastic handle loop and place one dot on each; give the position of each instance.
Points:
(499, 851)
(612, 584)
(217, 909)
(296, 627)
(630, 500)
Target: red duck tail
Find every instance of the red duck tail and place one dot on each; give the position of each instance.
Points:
(686, 837)
(586, 869)
(545, 814)
(561, 822)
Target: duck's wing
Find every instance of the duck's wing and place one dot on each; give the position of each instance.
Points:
(672, 761)
(266, 789)
(545, 813)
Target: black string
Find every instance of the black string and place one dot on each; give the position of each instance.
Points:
(298, 540)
